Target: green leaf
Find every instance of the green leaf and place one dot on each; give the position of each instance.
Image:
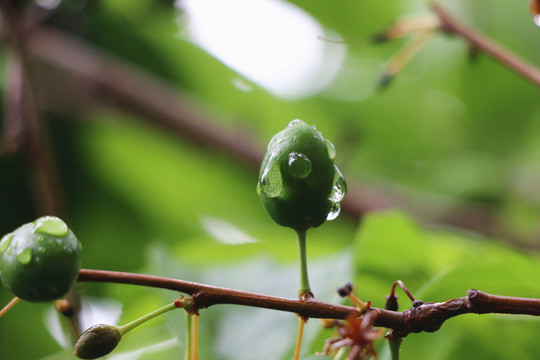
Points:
(390, 246)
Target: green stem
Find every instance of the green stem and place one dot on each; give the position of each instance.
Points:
(124, 329)
(189, 337)
(342, 354)
(304, 281)
(394, 348)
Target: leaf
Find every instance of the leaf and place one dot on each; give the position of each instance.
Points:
(390, 246)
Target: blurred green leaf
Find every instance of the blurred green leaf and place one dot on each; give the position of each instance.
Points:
(448, 130)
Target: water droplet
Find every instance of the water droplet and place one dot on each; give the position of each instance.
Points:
(25, 256)
(41, 249)
(296, 122)
(5, 242)
(331, 149)
(50, 225)
(271, 183)
(40, 239)
(334, 212)
(299, 165)
(339, 190)
(536, 20)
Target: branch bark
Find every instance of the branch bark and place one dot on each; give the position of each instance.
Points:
(427, 317)
(482, 43)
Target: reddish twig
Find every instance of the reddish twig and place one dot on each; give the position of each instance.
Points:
(427, 317)
(480, 42)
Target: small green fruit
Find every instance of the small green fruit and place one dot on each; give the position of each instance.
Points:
(97, 341)
(299, 185)
(40, 261)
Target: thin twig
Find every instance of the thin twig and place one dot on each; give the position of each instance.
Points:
(427, 317)
(9, 306)
(481, 42)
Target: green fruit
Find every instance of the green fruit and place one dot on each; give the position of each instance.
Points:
(40, 261)
(299, 185)
(97, 341)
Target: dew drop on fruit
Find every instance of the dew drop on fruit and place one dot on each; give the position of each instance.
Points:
(339, 190)
(299, 165)
(271, 183)
(331, 149)
(296, 122)
(5, 242)
(25, 256)
(334, 211)
(50, 225)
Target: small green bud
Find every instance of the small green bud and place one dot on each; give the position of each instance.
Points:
(97, 341)
(40, 261)
(299, 185)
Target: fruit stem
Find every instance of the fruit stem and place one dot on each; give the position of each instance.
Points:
(394, 349)
(11, 304)
(189, 337)
(394, 343)
(125, 328)
(301, 323)
(195, 337)
(304, 280)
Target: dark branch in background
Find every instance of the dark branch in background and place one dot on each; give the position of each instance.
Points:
(131, 89)
(24, 129)
(427, 317)
(94, 75)
(481, 43)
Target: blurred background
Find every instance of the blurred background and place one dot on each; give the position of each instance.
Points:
(142, 124)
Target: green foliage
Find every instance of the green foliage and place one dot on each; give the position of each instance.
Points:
(448, 131)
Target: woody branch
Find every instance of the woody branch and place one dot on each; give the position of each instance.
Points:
(426, 317)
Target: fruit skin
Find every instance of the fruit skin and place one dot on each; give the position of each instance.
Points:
(97, 341)
(40, 261)
(303, 201)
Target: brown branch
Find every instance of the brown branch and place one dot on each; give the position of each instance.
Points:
(136, 91)
(24, 128)
(427, 317)
(484, 44)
